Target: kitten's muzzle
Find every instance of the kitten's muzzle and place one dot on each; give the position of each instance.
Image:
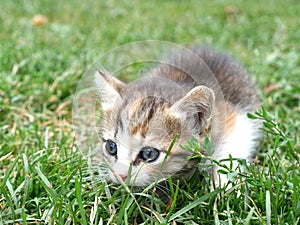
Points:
(123, 177)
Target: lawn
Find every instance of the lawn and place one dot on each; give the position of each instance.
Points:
(44, 178)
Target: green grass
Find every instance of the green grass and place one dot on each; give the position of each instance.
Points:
(43, 178)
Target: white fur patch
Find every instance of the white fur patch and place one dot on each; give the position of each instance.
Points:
(240, 143)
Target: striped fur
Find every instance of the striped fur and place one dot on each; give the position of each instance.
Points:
(186, 99)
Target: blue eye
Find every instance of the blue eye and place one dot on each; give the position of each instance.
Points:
(149, 154)
(111, 147)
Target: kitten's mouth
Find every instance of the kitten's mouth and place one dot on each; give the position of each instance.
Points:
(123, 178)
(126, 180)
(131, 180)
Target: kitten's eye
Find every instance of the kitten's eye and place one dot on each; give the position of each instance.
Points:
(111, 147)
(149, 154)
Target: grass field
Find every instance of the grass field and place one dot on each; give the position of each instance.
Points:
(43, 178)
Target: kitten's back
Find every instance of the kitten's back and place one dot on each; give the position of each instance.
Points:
(214, 70)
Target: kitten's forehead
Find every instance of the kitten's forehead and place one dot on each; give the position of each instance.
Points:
(144, 112)
(146, 118)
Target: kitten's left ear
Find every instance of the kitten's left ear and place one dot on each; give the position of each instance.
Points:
(200, 100)
(108, 87)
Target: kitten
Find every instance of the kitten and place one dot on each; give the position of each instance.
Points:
(198, 93)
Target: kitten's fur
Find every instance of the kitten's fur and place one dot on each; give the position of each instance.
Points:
(168, 101)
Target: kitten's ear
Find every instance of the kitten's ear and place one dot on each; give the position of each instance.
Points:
(200, 100)
(108, 87)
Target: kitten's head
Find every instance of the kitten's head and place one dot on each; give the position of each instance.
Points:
(141, 119)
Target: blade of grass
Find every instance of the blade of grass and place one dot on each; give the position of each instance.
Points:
(47, 185)
(9, 170)
(24, 219)
(249, 216)
(268, 207)
(173, 204)
(79, 199)
(194, 204)
(12, 193)
(9, 200)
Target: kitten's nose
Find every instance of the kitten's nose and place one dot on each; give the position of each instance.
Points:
(123, 177)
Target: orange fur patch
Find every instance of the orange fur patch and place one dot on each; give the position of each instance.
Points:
(230, 118)
(142, 127)
(173, 125)
(180, 75)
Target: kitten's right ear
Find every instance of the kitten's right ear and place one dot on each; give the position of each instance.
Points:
(200, 99)
(108, 88)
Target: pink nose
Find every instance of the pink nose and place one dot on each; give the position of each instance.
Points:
(123, 177)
